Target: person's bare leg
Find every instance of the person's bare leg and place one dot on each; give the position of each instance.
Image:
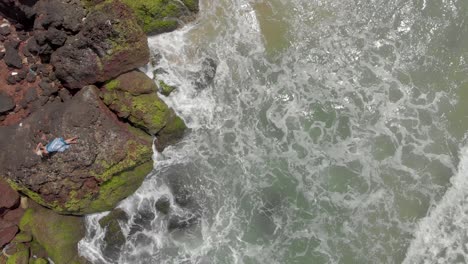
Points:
(71, 140)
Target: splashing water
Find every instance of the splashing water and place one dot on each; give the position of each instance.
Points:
(329, 135)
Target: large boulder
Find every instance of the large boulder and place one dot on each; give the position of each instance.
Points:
(108, 164)
(133, 97)
(110, 43)
(157, 17)
(57, 234)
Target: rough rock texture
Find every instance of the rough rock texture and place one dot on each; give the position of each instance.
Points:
(159, 16)
(10, 213)
(59, 14)
(6, 102)
(57, 234)
(110, 43)
(133, 97)
(9, 198)
(7, 234)
(106, 166)
(20, 12)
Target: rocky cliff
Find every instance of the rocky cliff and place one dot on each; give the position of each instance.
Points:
(69, 68)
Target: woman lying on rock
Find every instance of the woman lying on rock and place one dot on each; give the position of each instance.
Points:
(56, 145)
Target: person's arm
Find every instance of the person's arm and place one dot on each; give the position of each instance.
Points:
(38, 147)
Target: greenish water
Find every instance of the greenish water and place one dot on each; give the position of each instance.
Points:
(334, 132)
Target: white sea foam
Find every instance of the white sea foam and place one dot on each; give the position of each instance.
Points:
(442, 236)
(327, 152)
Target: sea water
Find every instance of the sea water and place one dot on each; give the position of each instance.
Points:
(334, 131)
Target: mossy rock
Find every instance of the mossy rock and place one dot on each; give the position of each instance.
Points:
(165, 88)
(57, 234)
(128, 97)
(20, 257)
(114, 238)
(110, 43)
(23, 237)
(108, 164)
(159, 16)
(38, 261)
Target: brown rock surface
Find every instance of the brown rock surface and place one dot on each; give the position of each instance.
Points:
(7, 234)
(92, 175)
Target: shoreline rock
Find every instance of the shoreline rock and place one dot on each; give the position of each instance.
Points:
(57, 59)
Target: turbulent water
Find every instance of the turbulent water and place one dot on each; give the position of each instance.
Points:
(333, 132)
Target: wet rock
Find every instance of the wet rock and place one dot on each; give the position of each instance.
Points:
(165, 89)
(157, 17)
(5, 30)
(133, 97)
(206, 75)
(182, 222)
(163, 205)
(6, 103)
(114, 238)
(7, 234)
(12, 58)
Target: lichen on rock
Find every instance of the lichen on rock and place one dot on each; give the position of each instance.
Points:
(114, 238)
(109, 163)
(133, 97)
(159, 16)
(57, 234)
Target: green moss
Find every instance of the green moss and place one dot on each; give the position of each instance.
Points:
(175, 127)
(23, 237)
(119, 180)
(165, 89)
(20, 257)
(37, 249)
(158, 16)
(112, 85)
(121, 185)
(192, 5)
(38, 261)
(25, 221)
(57, 234)
(136, 153)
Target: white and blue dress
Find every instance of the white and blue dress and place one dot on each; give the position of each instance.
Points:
(57, 145)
